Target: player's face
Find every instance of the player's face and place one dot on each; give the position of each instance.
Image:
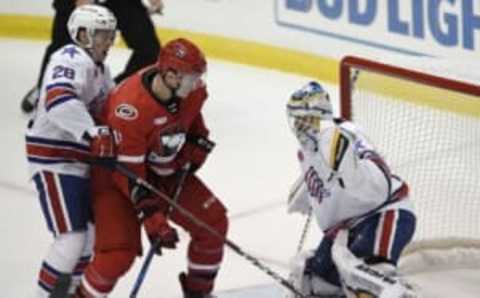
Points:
(182, 83)
(302, 124)
(102, 41)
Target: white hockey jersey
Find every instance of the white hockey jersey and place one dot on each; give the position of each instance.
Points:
(73, 90)
(344, 179)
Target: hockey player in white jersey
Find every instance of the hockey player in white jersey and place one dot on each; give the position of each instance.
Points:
(62, 137)
(351, 191)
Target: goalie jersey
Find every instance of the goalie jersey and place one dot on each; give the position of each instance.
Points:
(344, 179)
(72, 93)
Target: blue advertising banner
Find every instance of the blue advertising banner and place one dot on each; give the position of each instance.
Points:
(388, 24)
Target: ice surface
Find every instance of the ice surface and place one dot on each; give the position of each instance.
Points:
(251, 170)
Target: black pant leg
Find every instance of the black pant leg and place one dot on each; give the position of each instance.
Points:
(60, 36)
(138, 31)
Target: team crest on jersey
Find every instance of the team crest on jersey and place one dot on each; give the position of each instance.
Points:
(126, 111)
(315, 185)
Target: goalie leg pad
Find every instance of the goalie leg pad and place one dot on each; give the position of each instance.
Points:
(321, 263)
(359, 278)
(308, 283)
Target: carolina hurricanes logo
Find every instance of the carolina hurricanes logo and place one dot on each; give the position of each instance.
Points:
(181, 52)
(126, 111)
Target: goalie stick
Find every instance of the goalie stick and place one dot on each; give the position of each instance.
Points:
(154, 247)
(142, 182)
(306, 228)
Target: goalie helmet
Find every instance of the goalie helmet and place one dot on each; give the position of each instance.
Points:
(90, 18)
(182, 55)
(311, 100)
(306, 108)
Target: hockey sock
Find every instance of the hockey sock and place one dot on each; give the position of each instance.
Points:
(103, 272)
(60, 261)
(78, 272)
(52, 281)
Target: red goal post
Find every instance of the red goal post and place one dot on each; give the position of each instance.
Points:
(427, 126)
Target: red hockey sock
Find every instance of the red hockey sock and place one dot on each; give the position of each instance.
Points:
(103, 272)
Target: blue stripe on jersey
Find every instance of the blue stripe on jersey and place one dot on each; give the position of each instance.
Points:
(48, 161)
(43, 200)
(362, 237)
(50, 269)
(76, 192)
(44, 286)
(60, 100)
(57, 143)
(63, 85)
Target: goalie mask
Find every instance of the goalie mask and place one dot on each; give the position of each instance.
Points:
(305, 109)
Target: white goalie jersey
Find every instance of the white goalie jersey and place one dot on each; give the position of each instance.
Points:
(73, 91)
(344, 179)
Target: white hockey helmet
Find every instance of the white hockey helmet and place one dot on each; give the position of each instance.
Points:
(306, 108)
(90, 17)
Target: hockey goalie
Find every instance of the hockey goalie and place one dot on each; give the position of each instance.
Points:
(362, 208)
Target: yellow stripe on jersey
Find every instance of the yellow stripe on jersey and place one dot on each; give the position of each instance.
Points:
(334, 147)
(338, 148)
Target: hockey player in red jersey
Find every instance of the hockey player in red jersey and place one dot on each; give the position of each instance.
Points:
(157, 113)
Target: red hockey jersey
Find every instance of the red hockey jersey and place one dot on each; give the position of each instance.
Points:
(156, 135)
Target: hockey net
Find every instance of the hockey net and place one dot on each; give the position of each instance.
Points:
(427, 126)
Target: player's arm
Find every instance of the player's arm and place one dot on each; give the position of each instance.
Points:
(65, 108)
(132, 148)
(362, 172)
(63, 105)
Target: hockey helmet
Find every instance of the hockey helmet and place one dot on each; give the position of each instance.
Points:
(91, 18)
(306, 108)
(183, 56)
(310, 100)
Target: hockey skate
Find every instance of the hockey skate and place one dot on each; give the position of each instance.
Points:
(29, 101)
(189, 293)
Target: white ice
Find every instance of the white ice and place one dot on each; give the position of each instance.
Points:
(251, 170)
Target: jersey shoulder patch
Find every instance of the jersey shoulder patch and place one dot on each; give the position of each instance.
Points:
(338, 147)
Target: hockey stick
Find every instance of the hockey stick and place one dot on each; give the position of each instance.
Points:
(154, 247)
(143, 271)
(140, 181)
(306, 228)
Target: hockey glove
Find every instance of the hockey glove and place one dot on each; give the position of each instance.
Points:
(195, 151)
(159, 232)
(103, 143)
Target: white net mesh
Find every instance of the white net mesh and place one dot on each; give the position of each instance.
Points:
(431, 137)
